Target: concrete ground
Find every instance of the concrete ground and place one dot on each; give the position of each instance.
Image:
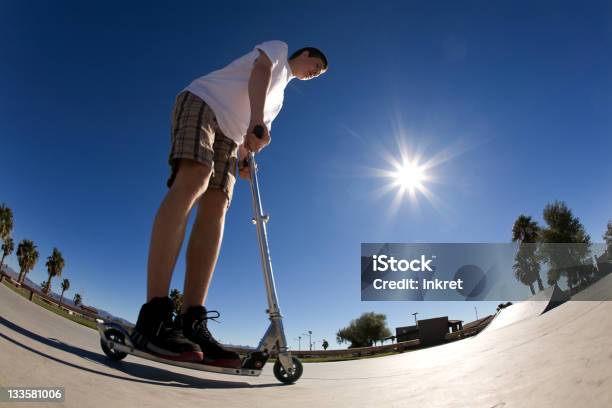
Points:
(560, 359)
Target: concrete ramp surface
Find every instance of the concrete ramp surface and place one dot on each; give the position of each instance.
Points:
(562, 358)
(536, 305)
(601, 290)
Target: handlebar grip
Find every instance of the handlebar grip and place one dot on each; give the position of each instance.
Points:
(258, 131)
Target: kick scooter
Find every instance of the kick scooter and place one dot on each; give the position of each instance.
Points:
(115, 338)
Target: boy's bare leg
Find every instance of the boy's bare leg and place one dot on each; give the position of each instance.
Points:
(204, 245)
(170, 223)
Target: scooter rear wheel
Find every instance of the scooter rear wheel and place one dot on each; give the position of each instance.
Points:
(283, 376)
(116, 337)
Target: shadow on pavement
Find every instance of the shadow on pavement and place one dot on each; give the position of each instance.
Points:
(147, 374)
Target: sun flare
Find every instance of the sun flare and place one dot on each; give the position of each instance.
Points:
(409, 176)
(410, 171)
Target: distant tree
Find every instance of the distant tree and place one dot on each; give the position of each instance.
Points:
(571, 261)
(65, 287)
(6, 222)
(177, 300)
(27, 256)
(55, 264)
(8, 247)
(365, 330)
(325, 344)
(77, 299)
(608, 239)
(526, 232)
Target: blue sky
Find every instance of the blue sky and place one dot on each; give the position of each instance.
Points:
(517, 96)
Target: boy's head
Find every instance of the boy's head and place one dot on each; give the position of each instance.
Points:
(307, 63)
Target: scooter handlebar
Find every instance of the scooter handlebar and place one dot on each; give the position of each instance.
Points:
(258, 131)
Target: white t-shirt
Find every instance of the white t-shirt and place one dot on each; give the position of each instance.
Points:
(226, 91)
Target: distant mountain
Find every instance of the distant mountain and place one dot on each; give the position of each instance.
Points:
(66, 301)
(108, 316)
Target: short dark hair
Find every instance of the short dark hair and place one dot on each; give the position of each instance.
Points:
(312, 52)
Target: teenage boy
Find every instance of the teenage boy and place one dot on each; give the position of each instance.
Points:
(212, 125)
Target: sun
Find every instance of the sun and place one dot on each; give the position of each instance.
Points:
(409, 176)
(411, 172)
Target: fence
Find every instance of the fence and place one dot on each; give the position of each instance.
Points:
(47, 299)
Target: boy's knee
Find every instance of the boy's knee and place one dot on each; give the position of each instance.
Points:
(214, 203)
(192, 177)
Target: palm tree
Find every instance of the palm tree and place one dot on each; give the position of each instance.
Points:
(77, 299)
(7, 248)
(55, 264)
(521, 272)
(27, 255)
(525, 229)
(568, 260)
(526, 232)
(608, 239)
(6, 222)
(177, 300)
(65, 287)
(527, 266)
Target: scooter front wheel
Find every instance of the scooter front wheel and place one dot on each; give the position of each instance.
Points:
(117, 337)
(288, 378)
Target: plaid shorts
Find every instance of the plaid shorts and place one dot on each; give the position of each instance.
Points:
(196, 136)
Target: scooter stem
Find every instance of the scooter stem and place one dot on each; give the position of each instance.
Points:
(260, 222)
(274, 338)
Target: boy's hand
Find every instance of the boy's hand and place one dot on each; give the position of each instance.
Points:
(243, 165)
(254, 144)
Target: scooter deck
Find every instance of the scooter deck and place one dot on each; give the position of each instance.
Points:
(129, 348)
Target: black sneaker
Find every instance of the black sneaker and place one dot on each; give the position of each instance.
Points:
(155, 333)
(193, 324)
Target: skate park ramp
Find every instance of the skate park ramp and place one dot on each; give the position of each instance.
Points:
(562, 358)
(536, 305)
(601, 290)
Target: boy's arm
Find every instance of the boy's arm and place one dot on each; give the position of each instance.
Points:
(258, 86)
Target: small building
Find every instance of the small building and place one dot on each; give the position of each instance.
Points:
(433, 331)
(429, 331)
(90, 310)
(455, 325)
(406, 333)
